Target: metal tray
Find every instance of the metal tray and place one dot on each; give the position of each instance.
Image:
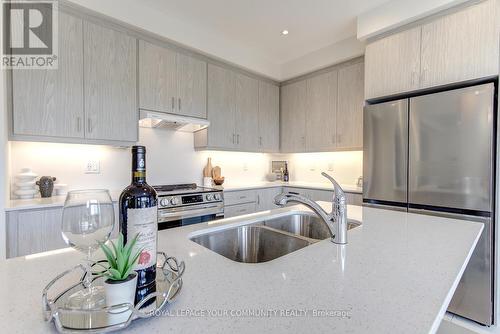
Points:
(106, 319)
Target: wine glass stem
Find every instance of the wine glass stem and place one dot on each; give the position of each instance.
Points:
(88, 275)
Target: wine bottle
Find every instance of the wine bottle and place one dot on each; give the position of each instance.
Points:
(286, 176)
(138, 215)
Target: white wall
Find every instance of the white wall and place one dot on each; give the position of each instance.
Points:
(171, 158)
(396, 13)
(345, 167)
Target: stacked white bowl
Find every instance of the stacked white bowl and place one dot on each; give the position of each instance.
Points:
(25, 184)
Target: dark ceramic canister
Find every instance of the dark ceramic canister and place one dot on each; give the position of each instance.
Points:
(46, 185)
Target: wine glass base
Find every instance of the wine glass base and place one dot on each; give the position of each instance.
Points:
(87, 299)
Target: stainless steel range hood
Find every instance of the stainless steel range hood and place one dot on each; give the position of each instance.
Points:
(161, 120)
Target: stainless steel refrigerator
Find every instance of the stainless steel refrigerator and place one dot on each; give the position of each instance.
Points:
(435, 154)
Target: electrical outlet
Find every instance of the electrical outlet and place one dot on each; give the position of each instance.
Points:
(92, 167)
(330, 167)
(245, 167)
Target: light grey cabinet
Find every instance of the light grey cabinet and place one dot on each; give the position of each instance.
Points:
(50, 102)
(293, 117)
(325, 195)
(265, 198)
(392, 64)
(321, 112)
(171, 82)
(246, 113)
(192, 86)
(221, 110)
(349, 122)
(110, 84)
(234, 113)
(33, 231)
(269, 117)
(38, 230)
(460, 46)
(454, 47)
(157, 80)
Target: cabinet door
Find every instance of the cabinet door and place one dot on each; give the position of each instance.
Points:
(350, 107)
(460, 46)
(269, 117)
(239, 210)
(34, 231)
(110, 84)
(265, 198)
(221, 104)
(293, 117)
(247, 112)
(392, 64)
(321, 112)
(192, 86)
(157, 78)
(50, 102)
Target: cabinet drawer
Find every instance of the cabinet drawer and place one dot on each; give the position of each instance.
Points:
(238, 210)
(240, 197)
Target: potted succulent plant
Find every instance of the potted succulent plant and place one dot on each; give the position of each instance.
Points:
(121, 281)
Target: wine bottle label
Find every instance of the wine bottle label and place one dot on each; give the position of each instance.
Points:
(143, 222)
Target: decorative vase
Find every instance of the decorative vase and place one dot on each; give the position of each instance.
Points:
(46, 185)
(207, 171)
(121, 292)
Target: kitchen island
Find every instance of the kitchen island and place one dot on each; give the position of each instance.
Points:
(397, 274)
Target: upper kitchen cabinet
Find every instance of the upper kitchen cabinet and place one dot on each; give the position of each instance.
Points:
(451, 48)
(110, 84)
(293, 116)
(321, 112)
(269, 117)
(460, 46)
(191, 86)
(157, 73)
(392, 64)
(235, 114)
(49, 103)
(350, 105)
(89, 98)
(171, 82)
(246, 112)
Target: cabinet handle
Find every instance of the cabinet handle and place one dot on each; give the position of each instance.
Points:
(339, 139)
(173, 103)
(258, 199)
(89, 125)
(260, 141)
(234, 138)
(238, 139)
(179, 104)
(78, 124)
(333, 139)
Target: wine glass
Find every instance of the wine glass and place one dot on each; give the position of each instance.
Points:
(88, 218)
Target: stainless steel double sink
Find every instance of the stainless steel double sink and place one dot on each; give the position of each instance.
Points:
(268, 239)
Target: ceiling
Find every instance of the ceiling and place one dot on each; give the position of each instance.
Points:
(254, 26)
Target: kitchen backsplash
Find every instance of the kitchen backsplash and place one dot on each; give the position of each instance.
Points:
(171, 158)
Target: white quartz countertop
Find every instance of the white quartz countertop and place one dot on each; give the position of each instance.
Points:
(397, 274)
(58, 201)
(294, 184)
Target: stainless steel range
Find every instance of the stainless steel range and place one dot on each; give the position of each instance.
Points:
(187, 204)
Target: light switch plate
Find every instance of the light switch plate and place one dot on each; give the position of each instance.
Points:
(330, 167)
(92, 167)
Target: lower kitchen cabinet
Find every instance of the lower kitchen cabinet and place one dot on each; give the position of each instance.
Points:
(239, 209)
(265, 198)
(325, 195)
(39, 230)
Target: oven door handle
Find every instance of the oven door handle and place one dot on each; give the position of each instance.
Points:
(168, 216)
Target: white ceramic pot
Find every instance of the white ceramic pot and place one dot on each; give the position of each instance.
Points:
(121, 292)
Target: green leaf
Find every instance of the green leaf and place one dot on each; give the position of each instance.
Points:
(129, 247)
(120, 262)
(109, 255)
(120, 243)
(115, 274)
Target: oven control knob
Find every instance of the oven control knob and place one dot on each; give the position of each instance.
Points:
(164, 202)
(217, 197)
(209, 197)
(174, 201)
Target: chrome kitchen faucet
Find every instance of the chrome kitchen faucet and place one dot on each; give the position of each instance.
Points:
(336, 220)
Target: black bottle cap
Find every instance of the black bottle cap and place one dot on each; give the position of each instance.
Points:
(139, 149)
